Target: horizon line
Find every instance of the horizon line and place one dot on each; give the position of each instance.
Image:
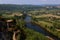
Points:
(31, 4)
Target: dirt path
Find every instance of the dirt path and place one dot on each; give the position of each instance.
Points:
(14, 38)
(14, 34)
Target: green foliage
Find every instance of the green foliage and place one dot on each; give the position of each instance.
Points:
(33, 35)
(52, 24)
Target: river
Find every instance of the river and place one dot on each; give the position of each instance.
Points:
(39, 29)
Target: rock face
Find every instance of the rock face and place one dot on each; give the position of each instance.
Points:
(6, 35)
(7, 31)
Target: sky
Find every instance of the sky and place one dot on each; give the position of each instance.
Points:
(32, 2)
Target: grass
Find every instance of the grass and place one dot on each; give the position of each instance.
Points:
(44, 23)
(50, 27)
(33, 35)
(47, 15)
(51, 24)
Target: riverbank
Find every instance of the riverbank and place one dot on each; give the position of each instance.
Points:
(47, 31)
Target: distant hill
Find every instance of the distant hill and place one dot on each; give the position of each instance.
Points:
(12, 7)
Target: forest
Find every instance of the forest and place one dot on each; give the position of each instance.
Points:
(29, 22)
